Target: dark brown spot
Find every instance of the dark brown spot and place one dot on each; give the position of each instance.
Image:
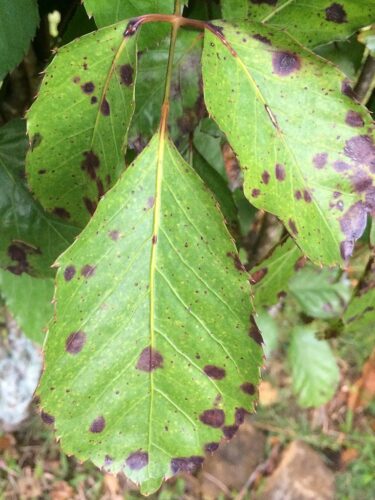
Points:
(61, 212)
(211, 447)
(254, 331)
(307, 196)
(266, 177)
(76, 79)
(361, 149)
(114, 235)
(149, 360)
(75, 342)
(248, 388)
(262, 39)
(300, 263)
(280, 172)
(88, 87)
(35, 141)
(87, 271)
(320, 160)
(137, 460)
(18, 252)
(47, 419)
(42, 171)
(90, 205)
(213, 418)
(69, 273)
(285, 63)
(214, 372)
(90, 163)
(94, 99)
(353, 224)
(258, 275)
(230, 430)
(255, 193)
(292, 226)
(335, 13)
(99, 185)
(354, 119)
(126, 74)
(236, 261)
(188, 464)
(154, 239)
(240, 415)
(97, 425)
(105, 108)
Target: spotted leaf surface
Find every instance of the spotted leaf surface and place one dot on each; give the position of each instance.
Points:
(270, 277)
(306, 149)
(31, 239)
(152, 358)
(78, 124)
(18, 24)
(312, 23)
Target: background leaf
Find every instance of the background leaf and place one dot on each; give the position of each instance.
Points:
(30, 302)
(18, 22)
(320, 185)
(313, 23)
(270, 277)
(314, 369)
(320, 292)
(153, 331)
(78, 125)
(30, 238)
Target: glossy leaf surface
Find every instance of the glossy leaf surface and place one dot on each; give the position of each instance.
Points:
(31, 239)
(29, 300)
(265, 92)
(312, 23)
(314, 369)
(152, 335)
(270, 277)
(78, 125)
(18, 23)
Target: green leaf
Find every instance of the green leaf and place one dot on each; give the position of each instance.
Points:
(187, 105)
(320, 183)
(30, 302)
(153, 331)
(270, 331)
(78, 125)
(30, 238)
(18, 22)
(270, 277)
(313, 23)
(208, 141)
(346, 55)
(108, 12)
(359, 318)
(320, 292)
(314, 369)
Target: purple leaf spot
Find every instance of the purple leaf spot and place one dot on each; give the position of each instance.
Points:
(88, 87)
(254, 332)
(137, 460)
(285, 63)
(213, 418)
(280, 172)
(149, 360)
(75, 342)
(47, 419)
(320, 160)
(335, 13)
(258, 275)
(354, 119)
(188, 464)
(361, 149)
(248, 388)
(266, 177)
(69, 273)
(126, 74)
(97, 425)
(214, 372)
(87, 271)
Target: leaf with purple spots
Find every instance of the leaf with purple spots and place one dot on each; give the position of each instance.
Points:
(295, 153)
(85, 137)
(152, 280)
(313, 23)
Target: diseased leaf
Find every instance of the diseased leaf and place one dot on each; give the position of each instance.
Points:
(320, 183)
(314, 369)
(30, 238)
(78, 125)
(108, 12)
(187, 106)
(153, 331)
(30, 302)
(270, 277)
(18, 22)
(320, 292)
(312, 23)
